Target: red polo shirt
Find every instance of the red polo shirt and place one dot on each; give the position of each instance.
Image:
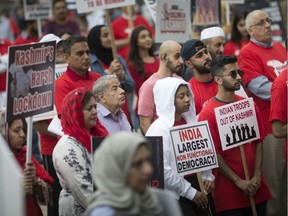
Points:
(69, 81)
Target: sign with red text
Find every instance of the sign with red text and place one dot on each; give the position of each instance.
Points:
(193, 148)
(84, 6)
(206, 13)
(30, 80)
(173, 20)
(237, 123)
(37, 9)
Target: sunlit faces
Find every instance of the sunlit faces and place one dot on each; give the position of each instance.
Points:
(174, 61)
(78, 60)
(90, 113)
(201, 61)
(145, 40)
(105, 37)
(114, 95)
(182, 99)
(229, 83)
(141, 170)
(16, 135)
(242, 28)
(260, 29)
(216, 46)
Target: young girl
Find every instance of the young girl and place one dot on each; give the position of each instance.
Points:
(175, 106)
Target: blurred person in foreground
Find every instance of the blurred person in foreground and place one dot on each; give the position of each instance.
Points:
(122, 180)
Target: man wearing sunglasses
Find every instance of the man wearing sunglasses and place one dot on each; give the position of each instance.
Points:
(197, 58)
(232, 191)
(262, 60)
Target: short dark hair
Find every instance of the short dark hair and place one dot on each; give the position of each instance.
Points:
(218, 63)
(56, 1)
(69, 42)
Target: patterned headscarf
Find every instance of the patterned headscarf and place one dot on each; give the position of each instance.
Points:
(72, 119)
(112, 162)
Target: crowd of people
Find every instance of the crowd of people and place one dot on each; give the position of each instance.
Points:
(142, 94)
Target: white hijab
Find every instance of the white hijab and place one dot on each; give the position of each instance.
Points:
(112, 162)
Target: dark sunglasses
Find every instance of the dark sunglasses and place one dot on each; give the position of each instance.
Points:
(233, 74)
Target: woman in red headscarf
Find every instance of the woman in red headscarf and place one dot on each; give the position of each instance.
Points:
(72, 154)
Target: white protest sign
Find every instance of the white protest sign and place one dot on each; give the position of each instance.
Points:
(237, 123)
(193, 148)
(85, 6)
(41, 9)
(151, 5)
(173, 20)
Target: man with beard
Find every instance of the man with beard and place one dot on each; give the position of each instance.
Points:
(61, 23)
(196, 57)
(171, 64)
(214, 39)
(232, 191)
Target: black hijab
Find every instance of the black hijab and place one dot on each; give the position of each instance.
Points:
(94, 42)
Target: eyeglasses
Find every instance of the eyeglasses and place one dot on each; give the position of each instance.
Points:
(233, 74)
(262, 22)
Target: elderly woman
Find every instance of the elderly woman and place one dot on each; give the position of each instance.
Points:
(72, 154)
(36, 181)
(121, 171)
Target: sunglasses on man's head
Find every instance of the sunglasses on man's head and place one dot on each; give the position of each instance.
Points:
(233, 74)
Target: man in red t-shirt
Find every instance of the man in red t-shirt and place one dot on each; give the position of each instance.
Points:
(262, 61)
(232, 191)
(196, 57)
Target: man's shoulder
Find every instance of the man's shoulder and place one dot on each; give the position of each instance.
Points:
(151, 81)
(94, 75)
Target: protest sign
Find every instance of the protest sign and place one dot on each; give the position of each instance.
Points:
(37, 9)
(85, 6)
(157, 180)
(151, 5)
(30, 80)
(59, 70)
(206, 13)
(173, 20)
(193, 148)
(237, 123)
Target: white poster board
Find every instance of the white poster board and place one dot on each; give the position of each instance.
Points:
(173, 20)
(85, 6)
(11, 183)
(152, 7)
(237, 123)
(37, 9)
(193, 148)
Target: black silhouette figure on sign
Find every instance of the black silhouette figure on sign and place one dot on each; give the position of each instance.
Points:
(243, 132)
(253, 132)
(233, 131)
(247, 131)
(228, 139)
(239, 133)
